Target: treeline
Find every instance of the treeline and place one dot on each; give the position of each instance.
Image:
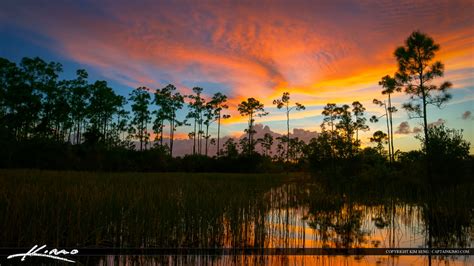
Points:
(48, 122)
(41, 113)
(444, 156)
(36, 105)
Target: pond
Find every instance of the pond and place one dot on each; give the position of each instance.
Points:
(226, 211)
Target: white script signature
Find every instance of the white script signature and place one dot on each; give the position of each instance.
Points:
(39, 252)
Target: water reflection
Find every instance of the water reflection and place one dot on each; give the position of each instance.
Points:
(310, 216)
(204, 212)
(276, 260)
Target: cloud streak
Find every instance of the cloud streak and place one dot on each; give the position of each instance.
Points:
(319, 51)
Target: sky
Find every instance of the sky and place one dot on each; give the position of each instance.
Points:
(319, 51)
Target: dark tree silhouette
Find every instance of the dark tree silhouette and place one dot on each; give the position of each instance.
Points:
(218, 102)
(251, 108)
(230, 148)
(121, 126)
(343, 127)
(284, 102)
(448, 151)
(379, 137)
(25, 93)
(390, 86)
(346, 128)
(160, 114)
(209, 113)
(266, 142)
(104, 105)
(196, 107)
(416, 71)
(172, 104)
(358, 109)
(447, 144)
(330, 116)
(140, 99)
(80, 95)
(375, 119)
(42, 79)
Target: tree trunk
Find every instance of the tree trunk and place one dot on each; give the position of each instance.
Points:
(78, 125)
(194, 138)
(391, 127)
(250, 132)
(200, 135)
(171, 135)
(70, 132)
(161, 132)
(425, 123)
(287, 134)
(218, 133)
(207, 136)
(140, 132)
(388, 134)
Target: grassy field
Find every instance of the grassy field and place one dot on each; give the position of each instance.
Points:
(127, 209)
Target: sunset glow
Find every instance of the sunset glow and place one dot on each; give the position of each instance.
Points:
(320, 52)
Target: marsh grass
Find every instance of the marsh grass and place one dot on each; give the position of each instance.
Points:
(91, 209)
(129, 209)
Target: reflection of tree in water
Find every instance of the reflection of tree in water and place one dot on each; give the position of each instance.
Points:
(341, 228)
(277, 215)
(448, 217)
(340, 219)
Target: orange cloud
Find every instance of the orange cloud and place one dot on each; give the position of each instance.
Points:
(319, 52)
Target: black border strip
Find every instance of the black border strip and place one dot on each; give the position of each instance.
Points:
(89, 251)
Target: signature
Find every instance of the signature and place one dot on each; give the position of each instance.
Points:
(52, 254)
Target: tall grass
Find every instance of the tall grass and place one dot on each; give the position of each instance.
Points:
(128, 209)
(89, 209)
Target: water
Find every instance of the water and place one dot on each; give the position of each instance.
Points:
(232, 211)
